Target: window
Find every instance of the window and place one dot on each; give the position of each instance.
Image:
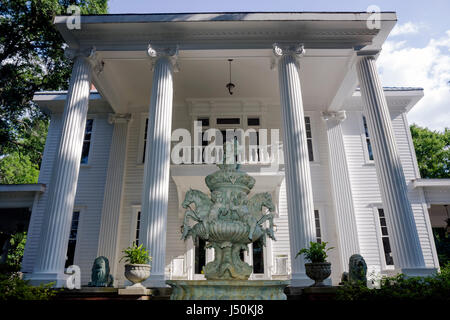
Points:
(258, 257)
(138, 227)
(317, 221)
(385, 239)
(252, 122)
(366, 133)
(205, 125)
(228, 121)
(145, 139)
(72, 239)
(200, 255)
(204, 121)
(253, 148)
(87, 141)
(309, 138)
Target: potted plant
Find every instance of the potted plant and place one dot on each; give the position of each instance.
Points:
(137, 267)
(318, 269)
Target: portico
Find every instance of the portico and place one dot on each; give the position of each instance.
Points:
(172, 70)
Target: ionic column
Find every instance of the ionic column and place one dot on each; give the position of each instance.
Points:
(109, 228)
(298, 175)
(341, 188)
(62, 188)
(155, 191)
(403, 236)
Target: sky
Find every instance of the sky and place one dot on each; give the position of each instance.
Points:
(416, 53)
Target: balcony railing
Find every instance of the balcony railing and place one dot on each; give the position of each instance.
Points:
(250, 154)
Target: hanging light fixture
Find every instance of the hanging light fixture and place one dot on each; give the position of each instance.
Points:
(230, 86)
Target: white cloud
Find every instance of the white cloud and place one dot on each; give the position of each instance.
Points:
(406, 28)
(429, 67)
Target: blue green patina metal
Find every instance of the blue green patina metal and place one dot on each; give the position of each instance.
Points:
(228, 221)
(100, 276)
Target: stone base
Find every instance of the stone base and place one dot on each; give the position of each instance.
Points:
(228, 289)
(135, 290)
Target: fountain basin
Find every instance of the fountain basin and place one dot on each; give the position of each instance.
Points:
(228, 289)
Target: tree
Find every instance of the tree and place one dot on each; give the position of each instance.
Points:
(32, 59)
(432, 151)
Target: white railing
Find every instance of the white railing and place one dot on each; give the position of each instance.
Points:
(249, 155)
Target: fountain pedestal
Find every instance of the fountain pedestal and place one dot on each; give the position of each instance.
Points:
(228, 289)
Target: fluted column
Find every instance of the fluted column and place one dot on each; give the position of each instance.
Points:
(157, 163)
(109, 228)
(298, 175)
(62, 188)
(341, 188)
(403, 236)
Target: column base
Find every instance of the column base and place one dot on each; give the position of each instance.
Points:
(417, 272)
(155, 281)
(38, 278)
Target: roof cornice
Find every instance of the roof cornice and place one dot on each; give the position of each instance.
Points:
(340, 30)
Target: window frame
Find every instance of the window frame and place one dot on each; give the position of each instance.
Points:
(384, 266)
(364, 139)
(141, 140)
(81, 214)
(91, 141)
(319, 239)
(314, 136)
(133, 223)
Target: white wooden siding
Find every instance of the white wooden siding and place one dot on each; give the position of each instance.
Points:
(89, 195)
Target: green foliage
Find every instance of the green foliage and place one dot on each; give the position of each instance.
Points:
(317, 252)
(17, 168)
(12, 287)
(432, 151)
(442, 241)
(400, 287)
(31, 59)
(136, 255)
(15, 252)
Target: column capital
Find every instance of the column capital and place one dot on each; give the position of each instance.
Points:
(368, 53)
(296, 50)
(119, 118)
(72, 53)
(339, 116)
(169, 52)
(89, 53)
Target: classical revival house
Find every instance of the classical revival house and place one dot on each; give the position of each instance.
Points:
(347, 174)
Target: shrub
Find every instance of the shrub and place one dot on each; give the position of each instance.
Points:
(15, 252)
(316, 252)
(12, 287)
(136, 255)
(400, 287)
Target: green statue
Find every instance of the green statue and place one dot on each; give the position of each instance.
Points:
(228, 221)
(100, 276)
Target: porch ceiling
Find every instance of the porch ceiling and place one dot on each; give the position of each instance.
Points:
(128, 82)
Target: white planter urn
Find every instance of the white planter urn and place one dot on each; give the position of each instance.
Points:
(137, 273)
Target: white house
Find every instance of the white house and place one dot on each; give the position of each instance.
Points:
(347, 174)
